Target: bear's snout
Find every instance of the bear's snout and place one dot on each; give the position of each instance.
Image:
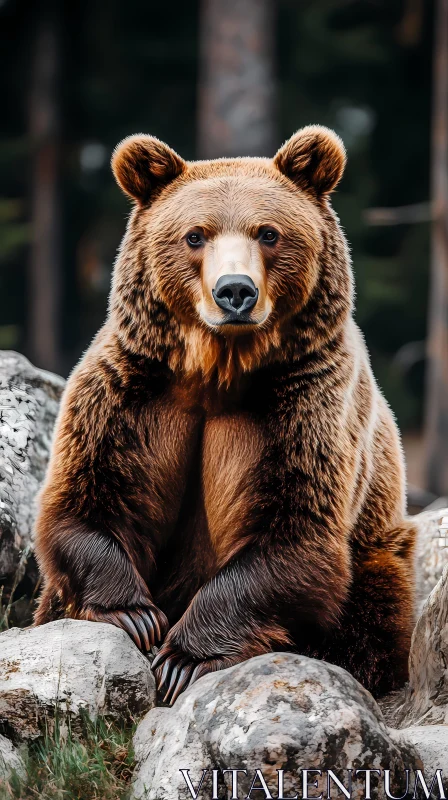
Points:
(236, 294)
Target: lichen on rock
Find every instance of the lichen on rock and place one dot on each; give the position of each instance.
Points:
(29, 401)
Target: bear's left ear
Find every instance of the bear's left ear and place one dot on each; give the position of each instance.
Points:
(143, 164)
(313, 158)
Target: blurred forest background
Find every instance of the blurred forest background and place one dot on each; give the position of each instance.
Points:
(220, 77)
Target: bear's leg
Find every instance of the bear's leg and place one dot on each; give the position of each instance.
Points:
(92, 577)
(114, 489)
(372, 638)
(250, 607)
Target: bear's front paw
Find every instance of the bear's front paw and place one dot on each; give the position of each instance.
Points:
(175, 670)
(147, 626)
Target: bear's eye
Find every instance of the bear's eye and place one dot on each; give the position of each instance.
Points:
(194, 239)
(269, 236)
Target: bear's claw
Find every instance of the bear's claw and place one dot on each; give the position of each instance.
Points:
(145, 626)
(176, 671)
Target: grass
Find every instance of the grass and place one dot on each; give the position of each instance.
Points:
(63, 766)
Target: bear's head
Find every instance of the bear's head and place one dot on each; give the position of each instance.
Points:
(232, 262)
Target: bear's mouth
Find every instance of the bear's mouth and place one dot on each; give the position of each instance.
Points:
(233, 318)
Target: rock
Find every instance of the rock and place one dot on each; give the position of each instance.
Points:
(273, 712)
(431, 742)
(10, 761)
(399, 708)
(424, 701)
(70, 667)
(29, 400)
(431, 554)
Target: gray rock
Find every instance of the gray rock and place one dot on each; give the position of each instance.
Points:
(430, 560)
(273, 712)
(424, 701)
(431, 742)
(29, 400)
(431, 554)
(10, 761)
(70, 667)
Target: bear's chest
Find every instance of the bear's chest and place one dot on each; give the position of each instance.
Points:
(231, 449)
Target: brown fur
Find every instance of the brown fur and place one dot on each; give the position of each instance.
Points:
(245, 481)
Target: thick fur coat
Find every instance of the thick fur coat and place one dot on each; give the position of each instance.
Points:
(224, 483)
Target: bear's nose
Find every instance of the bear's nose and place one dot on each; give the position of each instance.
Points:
(235, 293)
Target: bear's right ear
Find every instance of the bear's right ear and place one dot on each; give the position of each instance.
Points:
(313, 158)
(142, 164)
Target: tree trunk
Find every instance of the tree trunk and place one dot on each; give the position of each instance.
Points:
(237, 89)
(437, 362)
(44, 273)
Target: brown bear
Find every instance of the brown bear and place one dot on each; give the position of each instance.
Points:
(226, 478)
